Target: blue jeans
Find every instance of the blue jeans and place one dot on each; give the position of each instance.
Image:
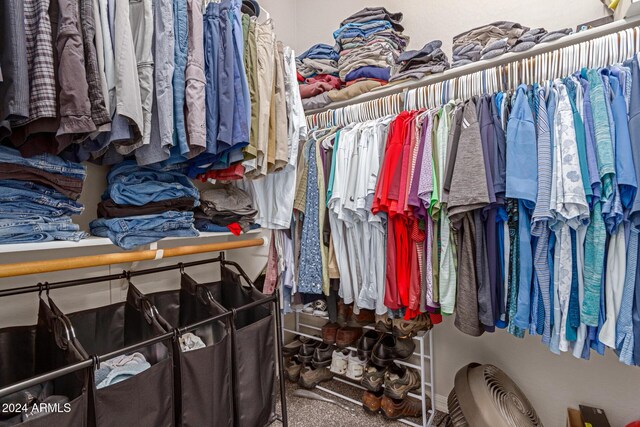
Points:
(25, 231)
(46, 162)
(133, 231)
(27, 198)
(133, 185)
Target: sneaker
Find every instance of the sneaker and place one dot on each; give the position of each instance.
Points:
(320, 308)
(371, 402)
(373, 377)
(340, 361)
(383, 323)
(322, 356)
(308, 308)
(393, 409)
(355, 367)
(292, 372)
(404, 328)
(398, 382)
(310, 378)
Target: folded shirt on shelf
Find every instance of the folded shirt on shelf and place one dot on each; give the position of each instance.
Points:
(485, 42)
(224, 206)
(318, 101)
(110, 209)
(369, 72)
(319, 84)
(353, 90)
(376, 14)
(418, 63)
(319, 51)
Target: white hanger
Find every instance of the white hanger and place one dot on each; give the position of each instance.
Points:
(267, 14)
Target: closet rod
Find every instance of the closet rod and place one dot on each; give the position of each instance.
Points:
(105, 278)
(47, 266)
(452, 73)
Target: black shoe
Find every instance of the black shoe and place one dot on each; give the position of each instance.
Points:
(391, 348)
(305, 355)
(322, 355)
(367, 342)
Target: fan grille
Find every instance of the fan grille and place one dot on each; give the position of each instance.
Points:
(509, 399)
(490, 397)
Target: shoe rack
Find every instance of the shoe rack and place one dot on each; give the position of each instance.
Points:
(421, 360)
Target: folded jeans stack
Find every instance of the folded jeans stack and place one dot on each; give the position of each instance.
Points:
(485, 42)
(225, 209)
(144, 204)
(37, 198)
(416, 64)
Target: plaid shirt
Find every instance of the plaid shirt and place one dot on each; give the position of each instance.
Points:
(42, 78)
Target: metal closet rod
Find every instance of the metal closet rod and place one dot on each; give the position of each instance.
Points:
(61, 264)
(507, 58)
(108, 277)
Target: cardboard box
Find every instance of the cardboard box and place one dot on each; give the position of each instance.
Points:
(574, 419)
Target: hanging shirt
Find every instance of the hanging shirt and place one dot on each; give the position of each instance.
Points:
(466, 194)
(447, 269)
(522, 185)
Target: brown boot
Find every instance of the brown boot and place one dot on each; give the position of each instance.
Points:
(394, 409)
(344, 312)
(329, 331)
(365, 317)
(347, 336)
(371, 402)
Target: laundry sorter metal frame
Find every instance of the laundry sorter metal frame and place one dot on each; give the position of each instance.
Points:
(96, 360)
(424, 355)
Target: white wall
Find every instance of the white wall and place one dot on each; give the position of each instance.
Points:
(551, 382)
(426, 20)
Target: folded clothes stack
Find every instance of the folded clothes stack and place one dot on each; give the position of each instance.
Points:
(485, 42)
(37, 198)
(536, 36)
(318, 59)
(370, 37)
(226, 209)
(415, 64)
(144, 204)
(368, 43)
